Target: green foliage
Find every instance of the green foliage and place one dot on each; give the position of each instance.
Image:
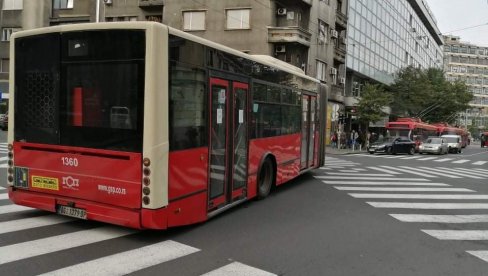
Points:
(370, 107)
(428, 95)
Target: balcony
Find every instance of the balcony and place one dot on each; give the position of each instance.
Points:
(308, 2)
(151, 3)
(340, 53)
(289, 34)
(341, 19)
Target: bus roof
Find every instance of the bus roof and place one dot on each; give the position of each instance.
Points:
(265, 60)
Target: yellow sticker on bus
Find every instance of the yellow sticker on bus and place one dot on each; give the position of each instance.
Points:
(42, 182)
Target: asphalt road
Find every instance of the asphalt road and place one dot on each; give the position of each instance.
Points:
(360, 214)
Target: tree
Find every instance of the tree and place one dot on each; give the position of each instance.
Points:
(371, 105)
(427, 94)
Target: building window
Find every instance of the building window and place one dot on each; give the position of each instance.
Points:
(62, 4)
(321, 71)
(322, 32)
(7, 32)
(5, 65)
(13, 4)
(238, 19)
(194, 20)
(155, 18)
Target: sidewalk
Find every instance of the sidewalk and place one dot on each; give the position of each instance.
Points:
(335, 151)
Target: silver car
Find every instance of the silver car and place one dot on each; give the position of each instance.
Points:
(434, 145)
(453, 142)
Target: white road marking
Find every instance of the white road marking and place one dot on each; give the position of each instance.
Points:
(427, 205)
(472, 171)
(427, 158)
(13, 208)
(402, 189)
(460, 161)
(2, 188)
(418, 196)
(410, 157)
(387, 183)
(480, 162)
(410, 171)
(479, 169)
(441, 218)
(129, 261)
(384, 170)
(238, 269)
(4, 165)
(3, 196)
(358, 174)
(369, 178)
(480, 254)
(443, 160)
(19, 251)
(467, 235)
(463, 173)
(430, 171)
(3, 158)
(29, 223)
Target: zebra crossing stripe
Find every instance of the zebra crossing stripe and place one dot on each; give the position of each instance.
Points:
(403, 189)
(410, 171)
(3, 158)
(469, 235)
(357, 174)
(4, 165)
(29, 223)
(13, 208)
(2, 188)
(428, 205)
(474, 172)
(418, 196)
(129, 261)
(383, 183)
(409, 157)
(480, 254)
(443, 160)
(480, 162)
(15, 252)
(441, 218)
(431, 172)
(460, 161)
(479, 169)
(238, 269)
(384, 170)
(427, 158)
(462, 172)
(368, 178)
(3, 196)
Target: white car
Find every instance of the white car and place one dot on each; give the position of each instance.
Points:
(453, 142)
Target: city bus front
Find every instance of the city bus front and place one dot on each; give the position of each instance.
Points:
(77, 144)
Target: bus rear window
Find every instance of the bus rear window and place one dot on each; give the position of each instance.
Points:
(87, 91)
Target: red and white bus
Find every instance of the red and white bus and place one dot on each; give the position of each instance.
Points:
(445, 129)
(142, 125)
(412, 128)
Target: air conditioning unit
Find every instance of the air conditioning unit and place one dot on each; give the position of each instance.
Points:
(280, 49)
(413, 30)
(333, 71)
(342, 81)
(107, 2)
(281, 11)
(334, 33)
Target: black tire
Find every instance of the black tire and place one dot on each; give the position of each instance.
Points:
(265, 178)
(389, 150)
(411, 151)
(371, 152)
(459, 151)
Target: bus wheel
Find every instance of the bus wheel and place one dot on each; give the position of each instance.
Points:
(265, 178)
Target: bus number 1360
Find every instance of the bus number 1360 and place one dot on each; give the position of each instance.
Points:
(73, 162)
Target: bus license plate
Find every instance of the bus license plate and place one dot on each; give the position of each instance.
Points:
(72, 212)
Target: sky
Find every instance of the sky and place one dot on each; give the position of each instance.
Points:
(454, 15)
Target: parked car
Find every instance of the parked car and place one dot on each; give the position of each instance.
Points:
(436, 145)
(4, 121)
(393, 145)
(453, 142)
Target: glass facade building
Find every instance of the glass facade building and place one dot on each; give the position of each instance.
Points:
(385, 36)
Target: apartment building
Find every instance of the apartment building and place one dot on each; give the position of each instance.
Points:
(469, 63)
(308, 34)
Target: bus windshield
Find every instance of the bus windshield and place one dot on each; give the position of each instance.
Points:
(90, 96)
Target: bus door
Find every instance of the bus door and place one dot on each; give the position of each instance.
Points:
(228, 142)
(309, 105)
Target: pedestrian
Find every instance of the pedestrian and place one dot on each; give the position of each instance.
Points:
(334, 140)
